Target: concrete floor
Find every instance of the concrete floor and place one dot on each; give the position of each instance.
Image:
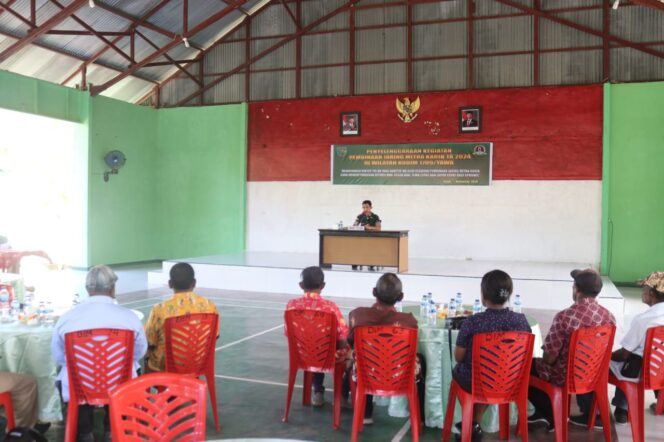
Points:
(252, 361)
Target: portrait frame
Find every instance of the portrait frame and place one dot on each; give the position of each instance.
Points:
(476, 121)
(345, 121)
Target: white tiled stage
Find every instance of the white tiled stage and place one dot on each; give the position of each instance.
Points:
(541, 285)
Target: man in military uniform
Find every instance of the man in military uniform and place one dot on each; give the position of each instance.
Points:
(369, 220)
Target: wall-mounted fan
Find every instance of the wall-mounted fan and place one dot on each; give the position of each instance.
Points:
(115, 160)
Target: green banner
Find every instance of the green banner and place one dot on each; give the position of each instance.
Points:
(455, 164)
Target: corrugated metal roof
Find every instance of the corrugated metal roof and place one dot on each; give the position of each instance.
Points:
(491, 35)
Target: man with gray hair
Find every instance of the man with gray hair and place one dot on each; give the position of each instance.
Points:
(98, 311)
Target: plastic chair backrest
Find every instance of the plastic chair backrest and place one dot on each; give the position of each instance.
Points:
(385, 357)
(190, 342)
(501, 365)
(653, 359)
(589, 355)
(312, 339)
(98, 361)
(6, 402)
(159, 407)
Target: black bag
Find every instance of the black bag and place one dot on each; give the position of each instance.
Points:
(21, 434)
(632, 366)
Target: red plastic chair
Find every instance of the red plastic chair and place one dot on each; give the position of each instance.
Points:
(652, 378)
(587, 372)
(385, 359)
(98, 361)
(6, 402)
(159, 407)
(501, 366)
(190, 349)
(312, 347)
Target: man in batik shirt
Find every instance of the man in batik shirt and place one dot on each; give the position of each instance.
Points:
(184, 301)
(312, 283)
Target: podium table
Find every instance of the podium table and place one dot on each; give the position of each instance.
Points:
(384, 248)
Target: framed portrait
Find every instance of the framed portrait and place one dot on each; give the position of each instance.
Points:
(349, 124)
(470, 119)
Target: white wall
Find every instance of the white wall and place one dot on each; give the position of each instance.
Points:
(548, 221)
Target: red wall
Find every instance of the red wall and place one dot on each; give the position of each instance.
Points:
(538, 133)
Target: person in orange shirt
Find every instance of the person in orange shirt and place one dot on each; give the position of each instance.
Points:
(184, 301)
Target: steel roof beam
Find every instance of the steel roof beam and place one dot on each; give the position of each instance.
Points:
(103, 50)
(272, 48)
(95, 33)
(74, 56)
(6, 7)
(73, 32)
(655, 4)
(582, 28)
(41, 30)
(95, 90)
(170, 59)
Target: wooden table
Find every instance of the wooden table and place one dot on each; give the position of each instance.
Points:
(384, 248)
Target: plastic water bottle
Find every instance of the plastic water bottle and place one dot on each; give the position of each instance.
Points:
(76, 300)
(399, 306)
(15, 309)
(41, 311)
(452, 309)
(4, 305)
(517, 306)
(341, 225)
(424, 305)
(477, 307)
(459, 301)
(432, 317)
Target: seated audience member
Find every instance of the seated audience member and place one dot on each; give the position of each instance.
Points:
(496, 287)
(552, 367)
(626, 362)
(23, 388)
(98, 311)
(312, 283)
(388, 291)
(184, 300)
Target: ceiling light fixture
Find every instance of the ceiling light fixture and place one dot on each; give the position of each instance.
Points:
(186, 42)
(616, 4)
(92, 3)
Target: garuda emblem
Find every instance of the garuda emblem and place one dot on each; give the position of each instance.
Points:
(407, 111)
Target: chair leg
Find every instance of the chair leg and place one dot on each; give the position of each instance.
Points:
(292, 373)
(358, 413)
(466, 420)
(306, 388)
(449, 412)
(212, 387)
(522, 425)
(659, 408)
(642, 420)
(633, 414)
(504, 421)
(602, 398)
(72, 421)
(414, 406)
(560, 413)
(338, 380)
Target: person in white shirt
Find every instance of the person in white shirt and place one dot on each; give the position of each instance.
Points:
(634, 340)
(98, 311)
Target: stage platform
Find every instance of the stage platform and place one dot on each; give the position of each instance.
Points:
(541, 285)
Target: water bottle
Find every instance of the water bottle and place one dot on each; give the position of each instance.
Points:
(48, 314)
(15, 309)
(77, 300)
(41, 311)
(399, 306)
(341, 225)
(516, 305)
(459, 301)
(477, 307)
(452, 309)
(424, 305)
(433, 314)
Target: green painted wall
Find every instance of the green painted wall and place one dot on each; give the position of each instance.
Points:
(121, 212)
(633, 243)
(182, 190)
(201, 159)
(25, 94)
